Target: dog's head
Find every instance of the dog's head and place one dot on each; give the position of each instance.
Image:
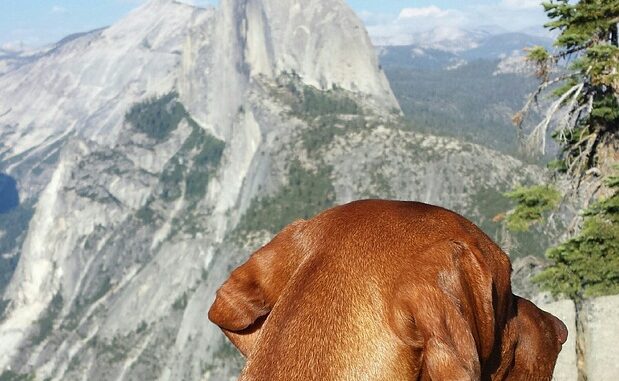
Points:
(451, 305)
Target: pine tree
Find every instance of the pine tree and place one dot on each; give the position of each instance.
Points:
(583, 75)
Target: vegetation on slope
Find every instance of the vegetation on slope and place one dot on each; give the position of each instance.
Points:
(157, 117)
(197, 159)
(8, 375)
(532, 204)
(46, 321)
(306, 194)
(188, 173)
(313, 102)
(192, 166)
(468, 102)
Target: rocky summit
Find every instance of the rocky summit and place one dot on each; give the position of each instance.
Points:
(152, 156)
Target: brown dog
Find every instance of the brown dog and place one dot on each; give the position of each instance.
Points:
(384, 290)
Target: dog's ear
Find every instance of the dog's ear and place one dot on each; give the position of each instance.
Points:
(538, 340)
(446, 299)
(246, 298)
(560, 328)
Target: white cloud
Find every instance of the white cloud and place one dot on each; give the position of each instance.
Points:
(57, 9)
(431, 11)
(375, 18)
(521, 4)
(412, 22)
(12, 46)
(21, 39)
(199, 3)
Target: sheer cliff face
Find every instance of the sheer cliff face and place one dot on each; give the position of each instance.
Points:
(281, 37)
(251, 40)
(160, 151)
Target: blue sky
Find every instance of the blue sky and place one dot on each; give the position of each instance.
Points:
(38, 22)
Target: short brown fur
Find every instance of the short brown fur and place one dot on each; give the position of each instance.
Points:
(384, 290)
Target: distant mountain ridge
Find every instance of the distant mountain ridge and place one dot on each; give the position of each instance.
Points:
(431, 51)
(470, 93)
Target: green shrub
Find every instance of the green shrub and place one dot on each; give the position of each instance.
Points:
(46, 322)
(181, 302)
(532, 203)
(315, 102)
(157, 117)
(142, 327)
(171, 179)
(8, 375)
(147, 215)
(210, 151)
(206, 152)
(195, 164)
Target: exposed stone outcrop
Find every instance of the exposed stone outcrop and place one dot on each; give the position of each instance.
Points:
(589, 353)
(592, 325)
(566, 368)
(601, 331)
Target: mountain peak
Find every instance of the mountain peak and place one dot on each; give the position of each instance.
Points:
(298, 36)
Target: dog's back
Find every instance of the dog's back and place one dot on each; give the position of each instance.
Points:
(372, 290)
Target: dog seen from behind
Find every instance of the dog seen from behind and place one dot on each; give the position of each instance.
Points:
(384, 290)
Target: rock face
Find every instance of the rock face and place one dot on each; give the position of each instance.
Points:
(280, 37)
(601, 333)
(596, 337)
(140, 145)
(84, 86)
(159, 152)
